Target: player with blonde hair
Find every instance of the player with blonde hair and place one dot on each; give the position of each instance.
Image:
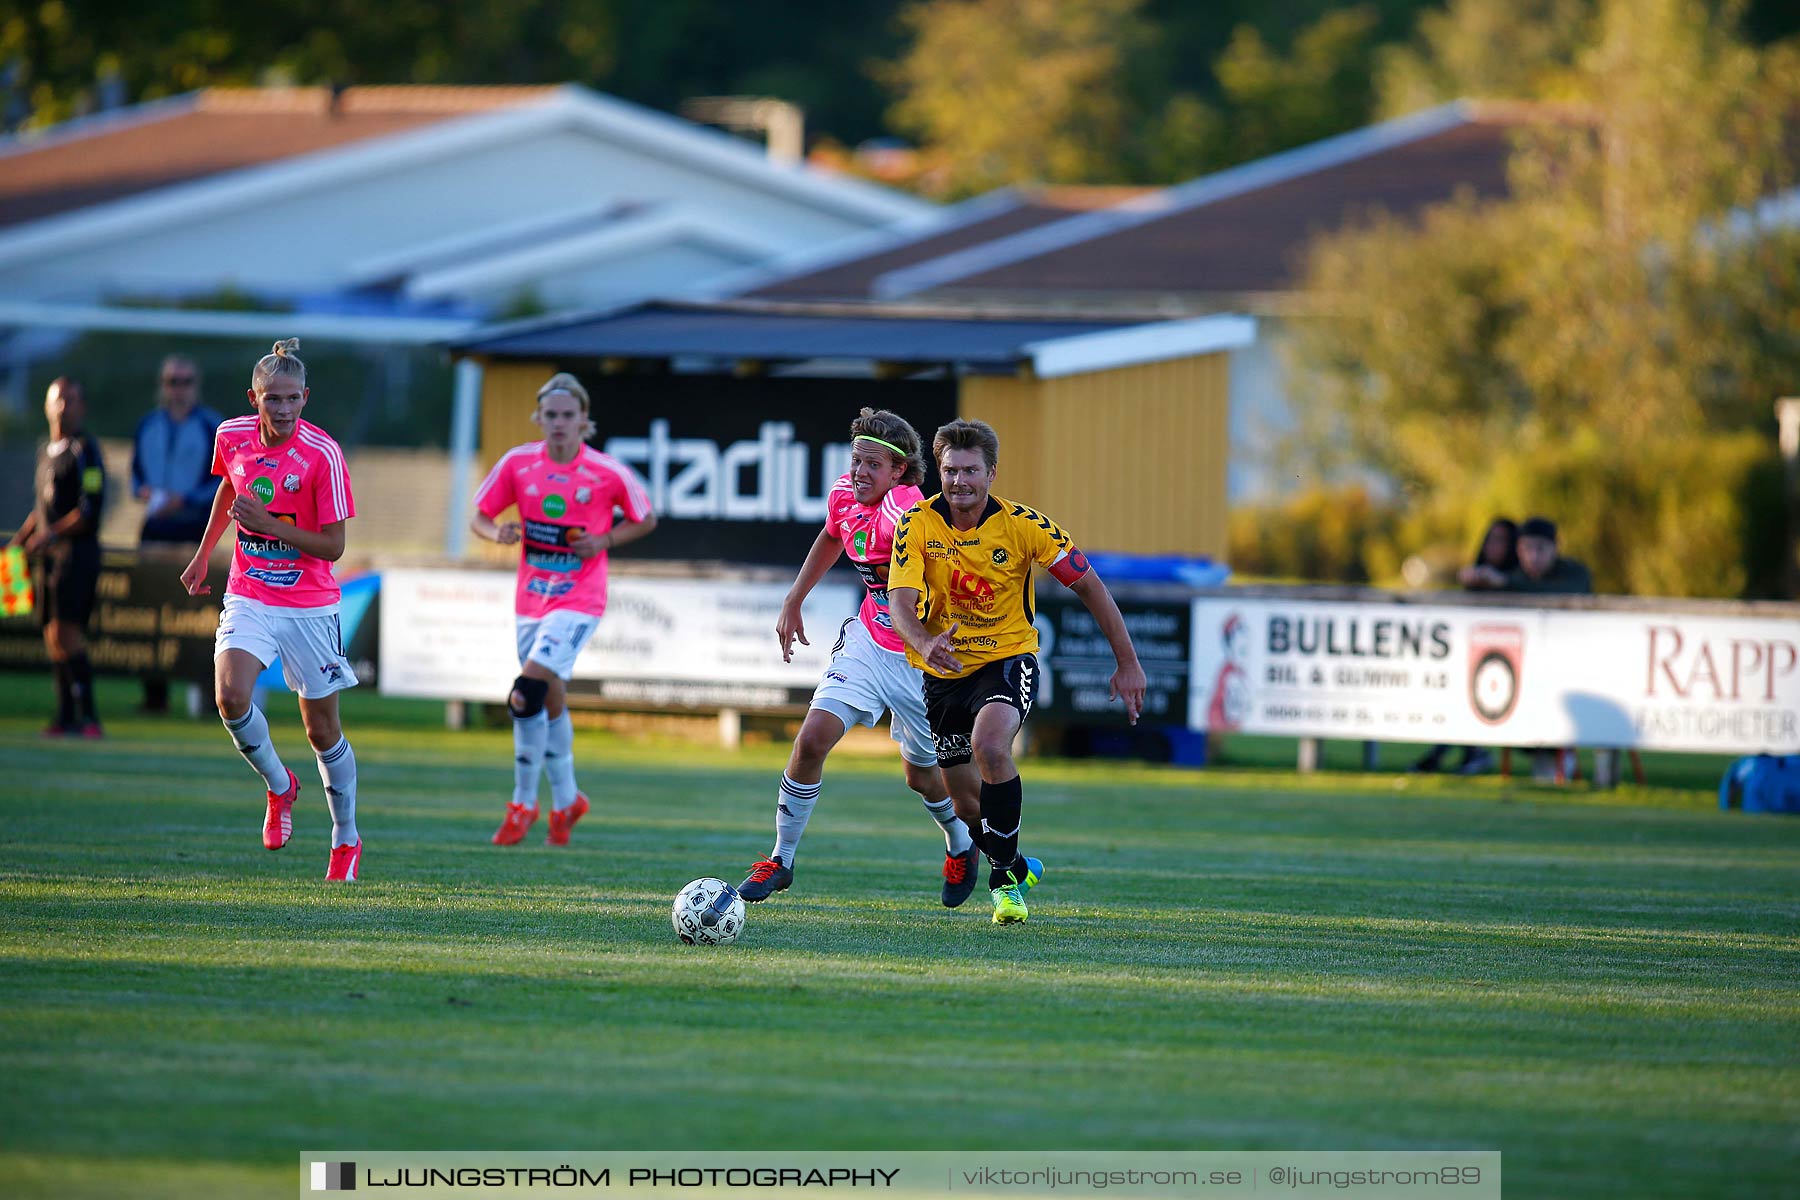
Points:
(869, 674)
(569, 496)
(284, 482)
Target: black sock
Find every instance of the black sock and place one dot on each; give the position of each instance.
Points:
(1000, 807)
(65, 699)
(976, 834)
(81, 676)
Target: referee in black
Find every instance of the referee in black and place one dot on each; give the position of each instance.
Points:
(62, 535)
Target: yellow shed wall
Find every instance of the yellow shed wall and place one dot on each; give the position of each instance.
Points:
(508, 398)
(1130, 460)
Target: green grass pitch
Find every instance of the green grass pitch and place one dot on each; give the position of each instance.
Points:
(1606, 989)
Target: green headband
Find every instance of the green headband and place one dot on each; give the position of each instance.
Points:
(869, 437)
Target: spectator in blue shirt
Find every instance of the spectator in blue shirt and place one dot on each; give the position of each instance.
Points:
(171, 459)
(171, 472)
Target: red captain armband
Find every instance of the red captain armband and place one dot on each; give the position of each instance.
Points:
(1070, 567)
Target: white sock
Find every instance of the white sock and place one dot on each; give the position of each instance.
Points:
(337, 769)
(793, 808)
(956, 834)
(251, 733)
(529, 734)
(559, 761)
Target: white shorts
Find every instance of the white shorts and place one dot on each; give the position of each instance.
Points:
(555, 639)
(310, 645)
(864, 681)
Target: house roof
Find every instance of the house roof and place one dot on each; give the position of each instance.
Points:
(211, 132)
(131, 173)
(1237, 232)
(972, 223)
(799, 332)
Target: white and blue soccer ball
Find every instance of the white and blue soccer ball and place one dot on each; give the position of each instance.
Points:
(708, 912)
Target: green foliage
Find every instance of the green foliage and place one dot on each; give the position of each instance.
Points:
(1483, 49)
(1013, 91)
(1322, 535)
(1612, 322)
(1671, 517)
(1319, 88)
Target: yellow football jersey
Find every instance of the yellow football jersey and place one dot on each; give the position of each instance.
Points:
(980, 578)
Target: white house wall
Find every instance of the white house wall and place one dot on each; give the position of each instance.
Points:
(307, 241)
(661, 270)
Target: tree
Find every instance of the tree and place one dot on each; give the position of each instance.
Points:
(1599, 343)
(1321, 87)
(1018, 91)
(1487, 49)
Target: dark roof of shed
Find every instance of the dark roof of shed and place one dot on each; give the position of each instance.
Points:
(742, 330)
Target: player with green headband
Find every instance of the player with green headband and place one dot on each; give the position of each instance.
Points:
(869, 674)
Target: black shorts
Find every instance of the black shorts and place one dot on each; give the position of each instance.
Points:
(951, 704)
(66, 586)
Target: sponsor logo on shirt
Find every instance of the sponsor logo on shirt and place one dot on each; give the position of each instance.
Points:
(238, 470)
(549, 588)
(270, 463)
(280, 579)
(263, 488)
(556, 477)
(859, 544)
(555, 505)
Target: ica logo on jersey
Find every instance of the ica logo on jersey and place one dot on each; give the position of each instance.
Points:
(971, 588)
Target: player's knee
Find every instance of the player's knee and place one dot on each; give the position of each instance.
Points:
(993, 757)
(527, 699)
(926, 781)
(232, 702)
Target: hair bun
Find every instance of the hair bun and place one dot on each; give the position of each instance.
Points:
(287, 347)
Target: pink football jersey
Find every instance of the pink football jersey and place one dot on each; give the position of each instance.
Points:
(559, 502)
(302, 482)
(867, 531)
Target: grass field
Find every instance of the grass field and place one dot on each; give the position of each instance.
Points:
(1605, 988)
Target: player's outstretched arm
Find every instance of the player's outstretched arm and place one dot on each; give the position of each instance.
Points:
(27, 527)
(193, 576)
(789, 625)
(1128, 682)
(629, 531)
(485, 526)
(623, 534)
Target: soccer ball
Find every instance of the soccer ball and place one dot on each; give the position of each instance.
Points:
(708, 912)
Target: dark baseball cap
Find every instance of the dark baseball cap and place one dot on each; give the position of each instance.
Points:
(1539, 527)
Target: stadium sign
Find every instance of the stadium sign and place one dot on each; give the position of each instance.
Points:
(739, 469)
(1489, 675)
(663, 643)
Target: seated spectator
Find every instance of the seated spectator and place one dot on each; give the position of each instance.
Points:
(1495, 557)
(1542, 569)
